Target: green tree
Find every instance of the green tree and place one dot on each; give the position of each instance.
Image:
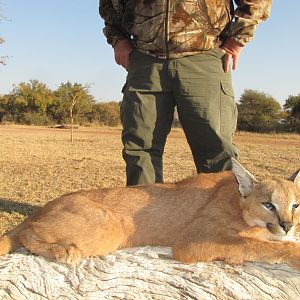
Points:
(27, 103)
(292, 108)
(71, 101)
(37, 96)
(258, 112)
(3, 107)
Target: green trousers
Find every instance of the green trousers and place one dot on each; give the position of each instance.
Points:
(202, 93)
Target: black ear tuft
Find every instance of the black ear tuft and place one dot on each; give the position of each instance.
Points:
(296, 178)
(293, 177)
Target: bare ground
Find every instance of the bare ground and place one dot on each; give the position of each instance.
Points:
(38, 164)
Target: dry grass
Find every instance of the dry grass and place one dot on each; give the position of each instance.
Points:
(38, 164)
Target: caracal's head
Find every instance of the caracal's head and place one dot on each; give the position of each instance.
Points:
(271, 203)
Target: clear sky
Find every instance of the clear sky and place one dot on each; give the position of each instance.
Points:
(56, 41)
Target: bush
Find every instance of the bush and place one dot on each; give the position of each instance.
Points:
(105, 113)
(31, 118)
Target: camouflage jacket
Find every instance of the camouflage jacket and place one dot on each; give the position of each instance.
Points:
(175, 28)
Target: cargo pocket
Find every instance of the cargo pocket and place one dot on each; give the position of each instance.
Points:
(218, 52)
(228, 113)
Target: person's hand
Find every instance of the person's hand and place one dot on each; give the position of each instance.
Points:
(122, 50)
(232, 50)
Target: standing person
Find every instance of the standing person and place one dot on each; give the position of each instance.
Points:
(178, 54)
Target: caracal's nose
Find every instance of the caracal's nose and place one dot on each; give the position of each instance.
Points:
(286, 226)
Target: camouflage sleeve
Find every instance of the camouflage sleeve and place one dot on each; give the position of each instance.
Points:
(111, 13)
(248, 14)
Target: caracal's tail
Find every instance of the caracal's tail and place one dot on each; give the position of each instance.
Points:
(8, 243)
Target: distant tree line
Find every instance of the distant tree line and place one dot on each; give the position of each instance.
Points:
(34, 103)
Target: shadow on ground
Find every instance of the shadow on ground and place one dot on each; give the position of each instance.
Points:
(11, 206)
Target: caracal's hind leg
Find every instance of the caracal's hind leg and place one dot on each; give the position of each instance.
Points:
(74, 236)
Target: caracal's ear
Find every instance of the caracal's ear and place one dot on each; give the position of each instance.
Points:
(245, 179)
(296, 178)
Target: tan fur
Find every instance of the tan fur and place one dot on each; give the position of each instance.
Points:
(203, 218)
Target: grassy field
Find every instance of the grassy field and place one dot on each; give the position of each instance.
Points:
(38, 164)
